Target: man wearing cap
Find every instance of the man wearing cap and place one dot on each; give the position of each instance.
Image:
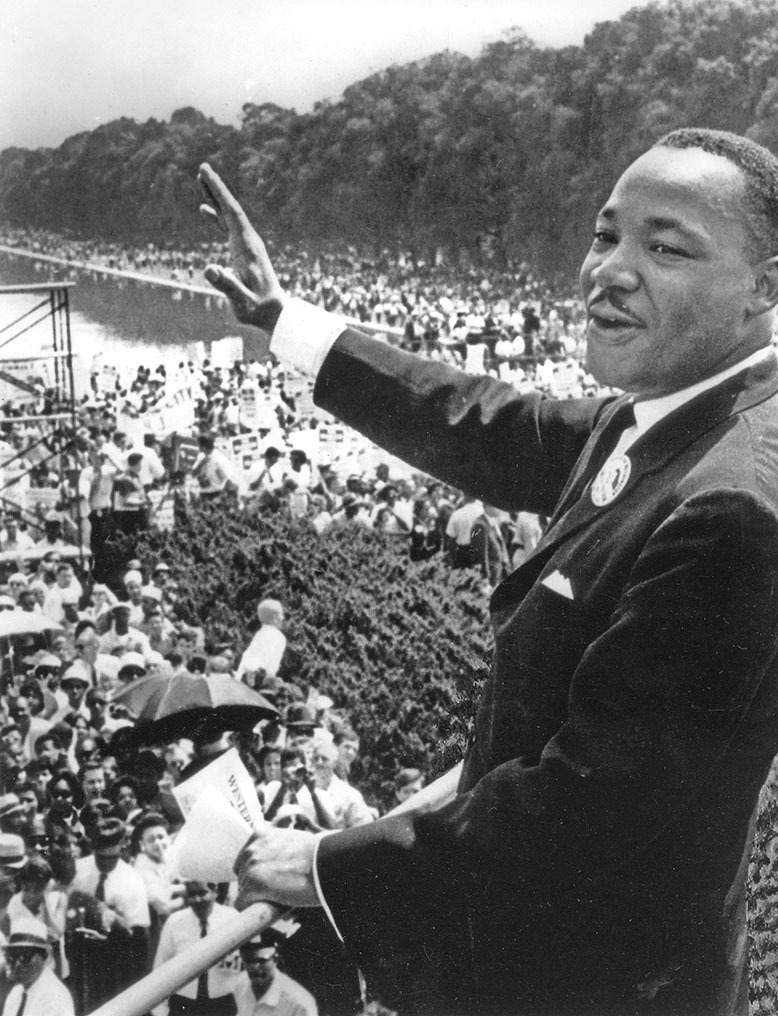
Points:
(132, 667)
(37, 990)
(133, 586)
(121, 635)
(160, 575)
(13, 854)
(151, 602)
(211, 993)
(119, 958)
(73, 685)
(267, 647)
(262, 988)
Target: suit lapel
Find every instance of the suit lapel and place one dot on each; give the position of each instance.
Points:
(648, 455)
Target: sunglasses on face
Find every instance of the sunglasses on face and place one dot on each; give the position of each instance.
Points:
(23, 955)
(46, 671)
(62, 794)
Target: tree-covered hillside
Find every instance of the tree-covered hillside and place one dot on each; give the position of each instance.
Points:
(507, 155)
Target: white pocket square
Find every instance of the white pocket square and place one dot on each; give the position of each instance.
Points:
(557, 582)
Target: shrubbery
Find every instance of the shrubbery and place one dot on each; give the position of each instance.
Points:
(396, 644)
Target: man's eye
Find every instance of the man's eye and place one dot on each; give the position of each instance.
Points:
(666, 248)
(604, 236)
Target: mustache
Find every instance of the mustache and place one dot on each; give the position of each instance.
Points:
(607, 299)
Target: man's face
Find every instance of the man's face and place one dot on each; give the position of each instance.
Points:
(93, 784)
(12, 742)
(87, 645)
(28, 800)
(22, 715)
(75, 691)
(110, 768)
(25, 965)
(323, 764)
(200, 897)
(41, 781)
(260, 965)
(154, 843)
(148, 606)
(64, 576)
(133, 591)
(667, 280)
(105, 862)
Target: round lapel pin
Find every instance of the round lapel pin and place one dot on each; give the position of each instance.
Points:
(611, 480)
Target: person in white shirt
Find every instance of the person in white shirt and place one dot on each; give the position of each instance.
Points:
(36, 991)
(263, 989)
(267, 647)
(458, 530)
(214, 472)
(349, 804)
(113, 961)
(210, 994)
(165, 892)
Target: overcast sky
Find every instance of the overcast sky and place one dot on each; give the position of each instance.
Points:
(70, 65)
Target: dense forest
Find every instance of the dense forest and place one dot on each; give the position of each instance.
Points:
(503, 156)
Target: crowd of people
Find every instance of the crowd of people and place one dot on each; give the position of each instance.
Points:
(88, 810)
(425, 301)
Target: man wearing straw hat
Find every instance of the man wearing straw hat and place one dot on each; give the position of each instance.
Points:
(37, 991)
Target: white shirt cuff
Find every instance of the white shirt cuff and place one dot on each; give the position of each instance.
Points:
(304, 334)
(317, 885)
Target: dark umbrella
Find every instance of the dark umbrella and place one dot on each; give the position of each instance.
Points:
(193, 706)
(142, 697)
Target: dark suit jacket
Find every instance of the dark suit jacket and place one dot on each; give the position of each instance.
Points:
(595, 858)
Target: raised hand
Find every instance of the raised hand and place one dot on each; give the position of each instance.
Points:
(250, 284)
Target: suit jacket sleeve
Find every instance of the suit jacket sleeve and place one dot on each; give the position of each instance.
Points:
(512, 451)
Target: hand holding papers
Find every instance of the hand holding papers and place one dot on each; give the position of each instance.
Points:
(222, 811)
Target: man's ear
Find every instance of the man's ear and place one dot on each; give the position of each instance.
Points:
(765, 292)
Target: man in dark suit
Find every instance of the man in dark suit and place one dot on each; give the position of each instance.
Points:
(590, 854)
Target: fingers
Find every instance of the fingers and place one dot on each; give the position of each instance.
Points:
(219, 195)
(226, 282)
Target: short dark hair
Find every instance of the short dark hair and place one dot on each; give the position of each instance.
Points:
(760, 171)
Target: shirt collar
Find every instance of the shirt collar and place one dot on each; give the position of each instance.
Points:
(650, 411)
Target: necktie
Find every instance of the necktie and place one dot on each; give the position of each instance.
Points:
(100, 890)
(22, 1004)
(202, 980)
